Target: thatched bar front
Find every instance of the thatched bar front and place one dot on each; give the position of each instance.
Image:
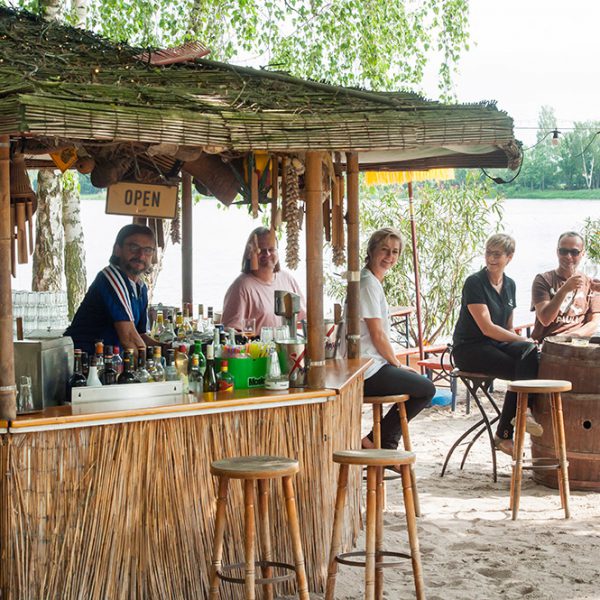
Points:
(121, 504)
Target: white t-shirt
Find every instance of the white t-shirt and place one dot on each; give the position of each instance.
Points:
(373, 305)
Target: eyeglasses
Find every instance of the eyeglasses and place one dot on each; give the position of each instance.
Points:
(571, 251)
(494, 253)
(137, 249)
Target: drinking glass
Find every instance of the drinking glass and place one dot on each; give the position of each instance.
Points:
(282, 333)
(25, 402)
(267, 334)
(249, 327)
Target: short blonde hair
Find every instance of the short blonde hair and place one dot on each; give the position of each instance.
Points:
(379, 237)
(501, 240)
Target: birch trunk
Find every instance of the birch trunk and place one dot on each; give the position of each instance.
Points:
(48, 253)
(75, 272)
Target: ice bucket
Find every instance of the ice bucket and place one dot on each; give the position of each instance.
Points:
(291, 359)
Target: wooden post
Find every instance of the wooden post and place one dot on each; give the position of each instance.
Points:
(353, 311)
(315, 350)
(8, 395)
(187, 246)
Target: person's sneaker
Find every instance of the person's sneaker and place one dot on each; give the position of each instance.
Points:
(505, 446)
(532, 427)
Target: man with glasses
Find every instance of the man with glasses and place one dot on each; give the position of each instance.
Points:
(115, 306)
(565, 299)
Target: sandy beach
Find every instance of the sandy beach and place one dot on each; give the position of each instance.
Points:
(470, 547)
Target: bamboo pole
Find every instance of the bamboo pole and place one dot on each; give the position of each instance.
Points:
(353, 333)
(187, 280)
(314, 269)
(413, 234)
(8, 396)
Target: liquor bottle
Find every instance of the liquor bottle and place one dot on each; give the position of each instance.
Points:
(179, 331)
(210, 377)
(225, 378)
(78, 379)
(108, 375)
(200, 321)
(150, 364)
(117, 360)
(158, 326)
(168, 335)
(85, 364)
(217, 341)
(197, 350)
(159, 371)
(196, 384)
(209, 319)
(93, 380)
(141, 373)
(127, 375)
(188, 330)
(181, 364)
(171, 373)
(99, 345)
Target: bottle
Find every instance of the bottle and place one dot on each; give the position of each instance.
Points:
(99, 344)
(209, 319)
(171, 373)
(179, 331)
(127, 375)
(159, 371)
(210, 377)
(197, 350)
(108, 375)
(158, 326)
(141, 373)
(188, 330)
(196, 384)
(181, 364)
(117, 360)
(93, 380)
(150, 363)
(78, 379)
(200, 321)
(85, 364)
(168, 335)
(225, 378)
(217, 341)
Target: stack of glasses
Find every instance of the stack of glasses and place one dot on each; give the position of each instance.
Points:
(45, 311)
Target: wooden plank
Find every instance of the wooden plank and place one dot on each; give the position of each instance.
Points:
(353, 318)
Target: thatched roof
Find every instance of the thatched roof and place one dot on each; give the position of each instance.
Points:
(58, 82)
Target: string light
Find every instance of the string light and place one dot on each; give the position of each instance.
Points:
(555, 137)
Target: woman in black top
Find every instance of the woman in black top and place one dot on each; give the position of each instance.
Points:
(484, 338)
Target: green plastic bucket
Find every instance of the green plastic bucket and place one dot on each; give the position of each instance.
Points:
(247, 372)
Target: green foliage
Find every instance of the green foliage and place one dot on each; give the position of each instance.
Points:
(377, 44)
(452, 223)
(591, 233)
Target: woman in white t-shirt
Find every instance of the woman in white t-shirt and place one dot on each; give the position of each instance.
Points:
(386, 376)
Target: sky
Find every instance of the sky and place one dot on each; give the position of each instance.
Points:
(529, 53)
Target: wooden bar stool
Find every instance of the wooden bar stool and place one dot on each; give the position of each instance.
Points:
(375, 461)
(260, 469)
(552, 387)
(399, 400)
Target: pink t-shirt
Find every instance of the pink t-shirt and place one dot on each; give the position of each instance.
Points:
(249, 297)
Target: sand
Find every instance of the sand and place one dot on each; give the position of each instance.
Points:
(470, 547)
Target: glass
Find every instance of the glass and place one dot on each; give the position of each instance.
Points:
(267, 334)
(249, 327)
(591, 270)
(25, 400)
(137, 249)
(282, 333)
(494, 253)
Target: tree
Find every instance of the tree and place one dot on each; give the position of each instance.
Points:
(453, 222)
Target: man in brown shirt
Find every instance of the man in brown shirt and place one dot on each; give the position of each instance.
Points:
(565, 300)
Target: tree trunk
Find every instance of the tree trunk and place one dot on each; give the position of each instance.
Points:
(80, 11)
(75, 272)
(48, 253)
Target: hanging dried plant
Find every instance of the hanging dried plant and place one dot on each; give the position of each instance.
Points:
(292, 211)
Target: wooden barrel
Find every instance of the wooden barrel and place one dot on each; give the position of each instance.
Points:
(581, 407)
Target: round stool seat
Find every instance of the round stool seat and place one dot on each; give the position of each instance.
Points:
(374, 458)
(386, 399)
(471, 375)
(539, 386)
(255, 467)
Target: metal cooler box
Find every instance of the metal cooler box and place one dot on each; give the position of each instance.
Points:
(49, 363)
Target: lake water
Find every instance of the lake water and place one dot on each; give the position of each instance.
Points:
(220, 235)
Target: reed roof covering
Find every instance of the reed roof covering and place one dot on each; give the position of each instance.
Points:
(60, 82)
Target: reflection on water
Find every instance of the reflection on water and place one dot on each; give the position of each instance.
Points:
(220, 235)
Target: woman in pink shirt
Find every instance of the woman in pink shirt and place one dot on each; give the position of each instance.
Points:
(252, 294)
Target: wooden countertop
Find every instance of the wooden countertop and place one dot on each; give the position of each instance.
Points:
(339, 373)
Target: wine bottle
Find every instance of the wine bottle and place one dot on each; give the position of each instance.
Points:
(108, 375)
(210, 377)
(127, 375)
(78, 379)
(225, 378)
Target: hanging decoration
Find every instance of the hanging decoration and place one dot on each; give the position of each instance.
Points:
(292, 210)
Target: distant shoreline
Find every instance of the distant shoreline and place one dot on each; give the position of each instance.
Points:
(551, 194)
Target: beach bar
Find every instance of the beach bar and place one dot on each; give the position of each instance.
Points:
(116, 500)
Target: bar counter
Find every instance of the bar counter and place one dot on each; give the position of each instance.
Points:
(112, 501)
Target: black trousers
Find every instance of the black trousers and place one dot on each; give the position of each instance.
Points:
(390, 381)
(507, 360)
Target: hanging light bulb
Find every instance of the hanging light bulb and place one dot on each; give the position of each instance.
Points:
(555, 137)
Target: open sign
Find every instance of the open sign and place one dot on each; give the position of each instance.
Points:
(141, 199)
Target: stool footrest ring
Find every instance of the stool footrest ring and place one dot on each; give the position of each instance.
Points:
(343, 559)
(258, 563)
(542, 463)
